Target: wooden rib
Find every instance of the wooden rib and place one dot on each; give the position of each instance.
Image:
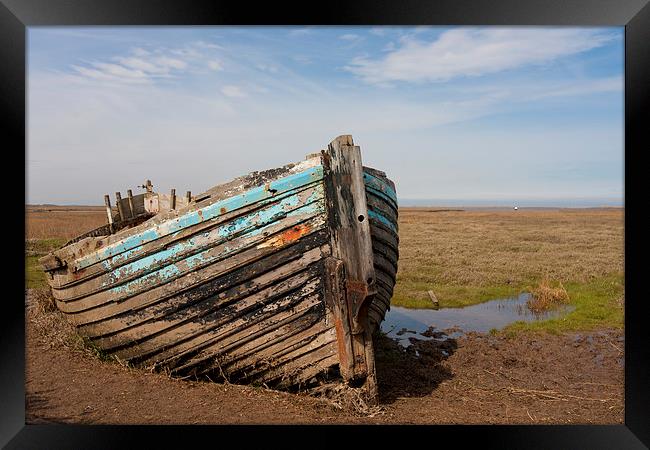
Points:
(385, 251)
(385, 244)
(387, 237)
(379, 205)
(311, 370)
(268, 345)
(384, 265)
(215, 341)
(288, 371)
(265, 369)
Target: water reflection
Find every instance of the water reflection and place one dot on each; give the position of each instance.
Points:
(402, 323)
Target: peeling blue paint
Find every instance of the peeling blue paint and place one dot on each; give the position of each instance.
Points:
(203, 258)
(381, 195)
(379, 185)
(382, 219)
(211, 211)
(224, 232)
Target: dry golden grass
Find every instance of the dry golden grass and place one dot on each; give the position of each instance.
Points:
(465, 257)
(474, 255)
(62, 223)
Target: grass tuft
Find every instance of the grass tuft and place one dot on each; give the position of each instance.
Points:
(547, 295)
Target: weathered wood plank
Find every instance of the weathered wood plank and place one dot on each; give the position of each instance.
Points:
(352, 245)
(173, 223)
(222, 256)
(337, 306)
(66, 279)
(275, 343)
(297, 345)
(208, 281)
(231, 302)
(210, 344)
(221, 325)
(294, 209)
(348, 215)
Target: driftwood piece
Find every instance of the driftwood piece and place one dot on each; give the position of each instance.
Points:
(433, 298)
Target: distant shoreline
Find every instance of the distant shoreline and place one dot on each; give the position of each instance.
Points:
(431, 208)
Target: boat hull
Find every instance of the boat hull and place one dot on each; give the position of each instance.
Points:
(237, 284)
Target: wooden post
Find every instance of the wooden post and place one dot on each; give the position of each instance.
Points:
(172, 199)
(188, 196)
(109, 212)
(120, 208)
(131, 208)
(148, 186)
(434, 299)
(352, 245)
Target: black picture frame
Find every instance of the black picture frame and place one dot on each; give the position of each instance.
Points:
(16, 15)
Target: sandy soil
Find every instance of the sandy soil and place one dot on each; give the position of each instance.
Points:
(542, 378)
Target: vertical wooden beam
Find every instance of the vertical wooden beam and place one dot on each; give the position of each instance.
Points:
(352, 245)
(172, 199)
(109, 212)
(188, 196)
(120, 207)
(131, 208)
(335, 302)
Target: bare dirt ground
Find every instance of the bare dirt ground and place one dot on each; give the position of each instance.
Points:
(533, 378)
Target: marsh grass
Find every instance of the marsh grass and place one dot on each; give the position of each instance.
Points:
(547, 295)
(61, 223)
(467, 257)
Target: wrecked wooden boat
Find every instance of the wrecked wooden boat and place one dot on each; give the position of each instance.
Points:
(278, 277)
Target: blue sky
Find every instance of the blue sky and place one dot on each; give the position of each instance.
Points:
(458, 115)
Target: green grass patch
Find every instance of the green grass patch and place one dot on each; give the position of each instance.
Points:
(34, 249)
(43, 246)
(414, 295)
(34, 275)
(597, 305)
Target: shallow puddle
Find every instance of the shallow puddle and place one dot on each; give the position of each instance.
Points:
(403, 323)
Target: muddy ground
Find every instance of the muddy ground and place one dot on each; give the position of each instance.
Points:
(531, 378)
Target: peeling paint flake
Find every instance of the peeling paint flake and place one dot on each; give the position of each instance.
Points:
(286, 237)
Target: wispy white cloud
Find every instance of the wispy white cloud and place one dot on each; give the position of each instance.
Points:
(300, 32)
(349, 37)
(233, 91)
(111, 72)
(210, 45)
(597, 86)
(474, 52)
(141, 65)
(140, 52)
